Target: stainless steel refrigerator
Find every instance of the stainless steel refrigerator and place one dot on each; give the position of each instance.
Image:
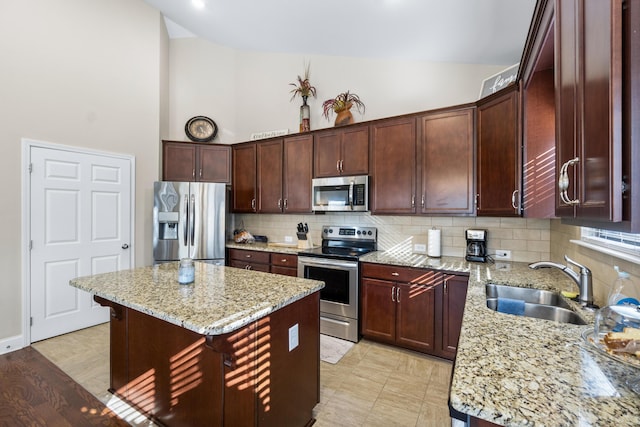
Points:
(189, 221)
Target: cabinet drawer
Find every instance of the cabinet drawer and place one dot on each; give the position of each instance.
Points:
(249, 265)
(285, 271)
(401, 274)
(252, 256)
(284, 260)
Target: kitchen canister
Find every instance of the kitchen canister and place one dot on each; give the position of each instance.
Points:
(186, 271)
(433, 243)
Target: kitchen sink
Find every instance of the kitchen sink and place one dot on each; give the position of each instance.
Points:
(539, 303)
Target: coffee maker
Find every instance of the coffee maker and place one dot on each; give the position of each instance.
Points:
(476, 245)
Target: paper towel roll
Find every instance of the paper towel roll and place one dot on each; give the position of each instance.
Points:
(433, 243)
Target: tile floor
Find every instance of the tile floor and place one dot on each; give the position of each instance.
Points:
(372, 385)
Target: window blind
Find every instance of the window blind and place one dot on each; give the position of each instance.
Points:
(616, 240)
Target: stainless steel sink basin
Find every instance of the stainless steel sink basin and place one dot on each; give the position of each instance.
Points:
(528, 295)
(538, 303)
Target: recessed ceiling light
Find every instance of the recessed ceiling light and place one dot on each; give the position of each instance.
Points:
(198, 4)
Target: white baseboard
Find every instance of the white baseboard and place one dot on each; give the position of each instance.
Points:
(10, 344)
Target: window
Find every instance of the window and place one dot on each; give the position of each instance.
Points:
(612, 241)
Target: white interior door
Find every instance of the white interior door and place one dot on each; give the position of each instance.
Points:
(80, 224)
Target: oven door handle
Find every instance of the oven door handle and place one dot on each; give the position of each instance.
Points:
(317, 262)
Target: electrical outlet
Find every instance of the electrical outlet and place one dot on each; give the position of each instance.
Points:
(293, 337)
(288, 239)
(419, 248)
(503, 254)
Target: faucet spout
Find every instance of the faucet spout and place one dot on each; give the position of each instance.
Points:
(582, 279)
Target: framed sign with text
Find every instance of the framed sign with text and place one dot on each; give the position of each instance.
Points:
(499, 81)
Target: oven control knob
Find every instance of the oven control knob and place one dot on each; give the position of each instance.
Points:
(369, 232)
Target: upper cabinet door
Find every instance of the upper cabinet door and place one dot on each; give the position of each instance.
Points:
(269, 180)
(178, 161)
(589, 108)
(341, 151)
(244, 178)
(393, 166)
(499, 144)
(447, 141)
(298, 166)
(214, 163)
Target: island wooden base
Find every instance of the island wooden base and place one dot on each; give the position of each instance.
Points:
(245, 378)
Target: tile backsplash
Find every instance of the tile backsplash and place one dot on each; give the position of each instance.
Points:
(527, 239)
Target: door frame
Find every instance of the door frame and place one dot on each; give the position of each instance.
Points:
(27, 144)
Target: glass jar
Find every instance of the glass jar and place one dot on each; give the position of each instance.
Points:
(186, 271)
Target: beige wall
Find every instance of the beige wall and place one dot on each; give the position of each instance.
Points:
(246, 91)
(527, 239)
(79, 73)
(601, 264)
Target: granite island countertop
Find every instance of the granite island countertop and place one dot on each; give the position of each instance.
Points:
(521, 371)
(221, 299)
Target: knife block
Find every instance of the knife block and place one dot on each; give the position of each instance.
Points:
(305, 244)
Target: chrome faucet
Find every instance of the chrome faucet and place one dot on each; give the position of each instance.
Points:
(583, 279)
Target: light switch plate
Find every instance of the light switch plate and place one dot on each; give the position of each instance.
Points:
(293, 337)
(288, 239)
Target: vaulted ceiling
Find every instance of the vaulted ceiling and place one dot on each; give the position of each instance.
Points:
(466, 31)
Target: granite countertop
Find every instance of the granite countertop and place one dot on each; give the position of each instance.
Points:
(521, 371)
(282, 248)
(221, 299)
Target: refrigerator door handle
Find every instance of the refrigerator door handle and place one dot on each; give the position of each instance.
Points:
(185, 218)
(192, 220)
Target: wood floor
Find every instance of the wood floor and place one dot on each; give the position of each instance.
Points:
(35, 392)
(372, 385)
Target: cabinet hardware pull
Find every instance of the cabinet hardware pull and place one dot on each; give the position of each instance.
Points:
(247, 256)
(286, 204)
(280, 204)
(398, 294)
(393, 294)
(563, 182)
(341, 164)
(283, 260)
(200, 172)
(253, 204)
(413, 201)
(395, 273)
(338, 165)
(445, 286)
(422, 202)
(193, 173)
(513, 198)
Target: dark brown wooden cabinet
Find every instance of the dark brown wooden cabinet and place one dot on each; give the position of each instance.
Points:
(538, 116)
(269, 176)
(285, 264)
(588, 71)
(415, 308)
(452, 296)
(297, 174)
(249, 260)
(273, 176)
(244, 184)
(447, 146)
(398, 305)
(341, 151)
(393, 166)
(184, 161)
(269, 262)
(499, 154)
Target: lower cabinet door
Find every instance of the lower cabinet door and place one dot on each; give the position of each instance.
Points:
(416, 316)
(378, 310)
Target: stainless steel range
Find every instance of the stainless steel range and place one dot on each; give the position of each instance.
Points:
(336, 264)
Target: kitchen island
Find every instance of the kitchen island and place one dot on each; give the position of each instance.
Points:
(235, 347)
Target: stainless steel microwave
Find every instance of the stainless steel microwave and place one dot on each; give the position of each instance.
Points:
(341, 194)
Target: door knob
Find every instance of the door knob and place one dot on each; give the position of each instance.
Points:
(125, 246)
